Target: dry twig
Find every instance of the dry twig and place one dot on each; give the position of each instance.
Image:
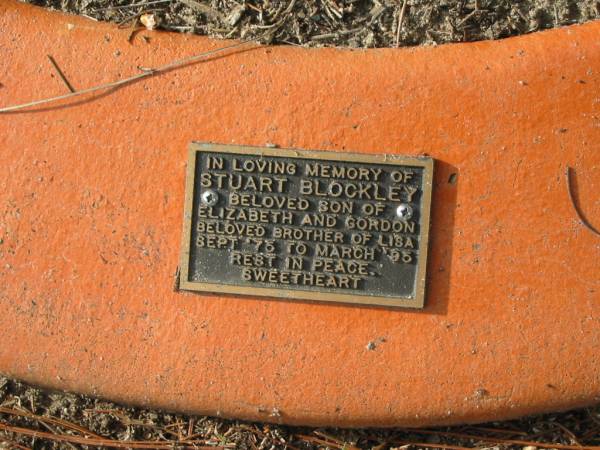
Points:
(400, 20)
(60, 74)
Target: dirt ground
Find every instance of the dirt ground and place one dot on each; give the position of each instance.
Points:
(348, 23)
(38, 419)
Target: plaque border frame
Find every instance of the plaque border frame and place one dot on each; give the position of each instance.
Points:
(425, 162)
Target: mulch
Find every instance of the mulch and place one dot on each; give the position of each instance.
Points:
(344, 23)
(32, 418)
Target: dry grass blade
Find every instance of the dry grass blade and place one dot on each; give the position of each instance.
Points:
(107, 443)
(116, 84)
(337, 441)
(132, 5)
(127, 421)
(497, 430)
(580, 215)
(497, 441)
(427, 445)
(51, 420)
(328, 443)
(400, 20)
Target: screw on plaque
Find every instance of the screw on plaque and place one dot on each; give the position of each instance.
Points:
(210, 197)
(404, 211)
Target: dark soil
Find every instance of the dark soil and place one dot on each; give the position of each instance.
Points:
(61, 417)
(349, 23)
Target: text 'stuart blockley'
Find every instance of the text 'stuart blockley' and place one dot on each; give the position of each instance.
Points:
(310, 225)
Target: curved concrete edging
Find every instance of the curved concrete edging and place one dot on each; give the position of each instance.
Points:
(91, 201)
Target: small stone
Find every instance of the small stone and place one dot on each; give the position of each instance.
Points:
(148, 21)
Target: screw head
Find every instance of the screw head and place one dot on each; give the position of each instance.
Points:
(404, 211)
(210, 197)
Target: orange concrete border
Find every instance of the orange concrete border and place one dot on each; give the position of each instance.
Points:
(91, 198)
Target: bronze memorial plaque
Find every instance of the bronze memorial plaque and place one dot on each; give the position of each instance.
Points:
(326, 226)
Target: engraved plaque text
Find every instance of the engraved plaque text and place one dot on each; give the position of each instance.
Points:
(324, 226)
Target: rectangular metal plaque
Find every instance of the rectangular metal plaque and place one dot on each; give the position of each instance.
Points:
(326, 226)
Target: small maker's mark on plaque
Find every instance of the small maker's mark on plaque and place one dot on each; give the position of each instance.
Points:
(325, 226)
